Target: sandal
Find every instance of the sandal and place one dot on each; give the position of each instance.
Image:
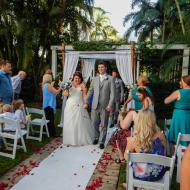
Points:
(119, 161)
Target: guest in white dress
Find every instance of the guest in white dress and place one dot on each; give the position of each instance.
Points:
(77, 129)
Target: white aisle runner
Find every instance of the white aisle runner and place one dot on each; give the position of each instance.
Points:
(67, 168)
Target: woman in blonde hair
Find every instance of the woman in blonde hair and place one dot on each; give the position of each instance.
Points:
(49, 102)
(147, 139)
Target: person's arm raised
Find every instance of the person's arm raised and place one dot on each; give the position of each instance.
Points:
(174, 96)
(53, 90)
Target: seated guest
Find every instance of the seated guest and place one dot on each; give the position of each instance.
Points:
(49, 102)
(185, 172)
(18, 108)
(146, 102)
(126, 123)
(7, 113)
(147, 139)
(181, 114)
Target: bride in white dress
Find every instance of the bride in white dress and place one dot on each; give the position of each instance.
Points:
(77, 129)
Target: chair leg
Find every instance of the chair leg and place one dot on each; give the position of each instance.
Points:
(167, 181)
(5, 142)
(47, 131)
(178, 169)
(15, 145)
(28, 130)
(23, 143)
(41, 132)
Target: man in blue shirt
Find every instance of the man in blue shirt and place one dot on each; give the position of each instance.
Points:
(6, 89)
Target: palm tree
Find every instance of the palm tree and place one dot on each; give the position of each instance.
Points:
(102, 28)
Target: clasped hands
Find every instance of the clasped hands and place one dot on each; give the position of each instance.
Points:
(108, 108)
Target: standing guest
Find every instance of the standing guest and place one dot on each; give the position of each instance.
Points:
(17, 83)
(185, 172)
(119, 93)
(6, 90)
(181, 115)
(141, 82)
(49, 102)
(103, 89)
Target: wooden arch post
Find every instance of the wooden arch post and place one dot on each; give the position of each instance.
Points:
(63, 55)
(133, 60)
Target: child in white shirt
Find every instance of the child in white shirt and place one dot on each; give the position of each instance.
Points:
(8, 114)
(19, 107)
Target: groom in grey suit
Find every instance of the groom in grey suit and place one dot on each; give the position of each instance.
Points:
(103, 90)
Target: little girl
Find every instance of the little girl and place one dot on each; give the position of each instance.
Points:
(18, 107)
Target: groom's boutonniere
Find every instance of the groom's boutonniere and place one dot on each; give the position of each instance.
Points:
(106, 78)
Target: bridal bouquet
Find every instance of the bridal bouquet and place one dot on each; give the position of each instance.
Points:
(65, 85)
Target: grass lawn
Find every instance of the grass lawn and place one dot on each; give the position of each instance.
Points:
(31, 145)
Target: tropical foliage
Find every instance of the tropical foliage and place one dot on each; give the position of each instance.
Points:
(29, 28)
(160, 21)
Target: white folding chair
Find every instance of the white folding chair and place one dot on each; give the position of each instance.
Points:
(166, 133)
(40, 122)
(18, 134)
(180, 150)
(163, 184)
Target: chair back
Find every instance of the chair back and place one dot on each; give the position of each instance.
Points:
(9, 121)
(34, 111)
(151, 158)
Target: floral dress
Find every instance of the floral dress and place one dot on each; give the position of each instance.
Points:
(150, 172)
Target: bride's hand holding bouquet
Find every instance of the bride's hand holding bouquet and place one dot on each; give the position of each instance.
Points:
(65, 87)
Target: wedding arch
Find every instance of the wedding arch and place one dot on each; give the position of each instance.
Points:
(122, 55)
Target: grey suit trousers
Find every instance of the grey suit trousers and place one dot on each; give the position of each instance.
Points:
(99, 119)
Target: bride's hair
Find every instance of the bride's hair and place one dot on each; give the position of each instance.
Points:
(78, 74)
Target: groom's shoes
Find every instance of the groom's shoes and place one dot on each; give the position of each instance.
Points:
(95, 141)
(101, 146)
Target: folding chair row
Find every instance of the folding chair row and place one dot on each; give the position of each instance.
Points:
(14, 135)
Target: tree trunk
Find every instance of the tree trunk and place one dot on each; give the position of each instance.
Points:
(180, 16)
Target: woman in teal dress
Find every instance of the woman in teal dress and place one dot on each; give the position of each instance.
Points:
(142, 82)
(181, 115)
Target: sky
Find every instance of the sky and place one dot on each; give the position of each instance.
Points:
(117, 10)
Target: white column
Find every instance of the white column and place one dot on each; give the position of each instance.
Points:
(138, 67)
(54, 60)
(185, 64)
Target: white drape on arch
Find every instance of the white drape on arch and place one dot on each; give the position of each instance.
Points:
(123, 62)
(70, 65)
(87, 69)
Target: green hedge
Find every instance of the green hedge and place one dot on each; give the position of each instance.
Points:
(161, 90)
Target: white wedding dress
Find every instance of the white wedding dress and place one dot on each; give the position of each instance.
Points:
(77, 129)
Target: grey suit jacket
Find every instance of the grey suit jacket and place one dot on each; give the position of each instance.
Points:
(103, 92)
(119, 92)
